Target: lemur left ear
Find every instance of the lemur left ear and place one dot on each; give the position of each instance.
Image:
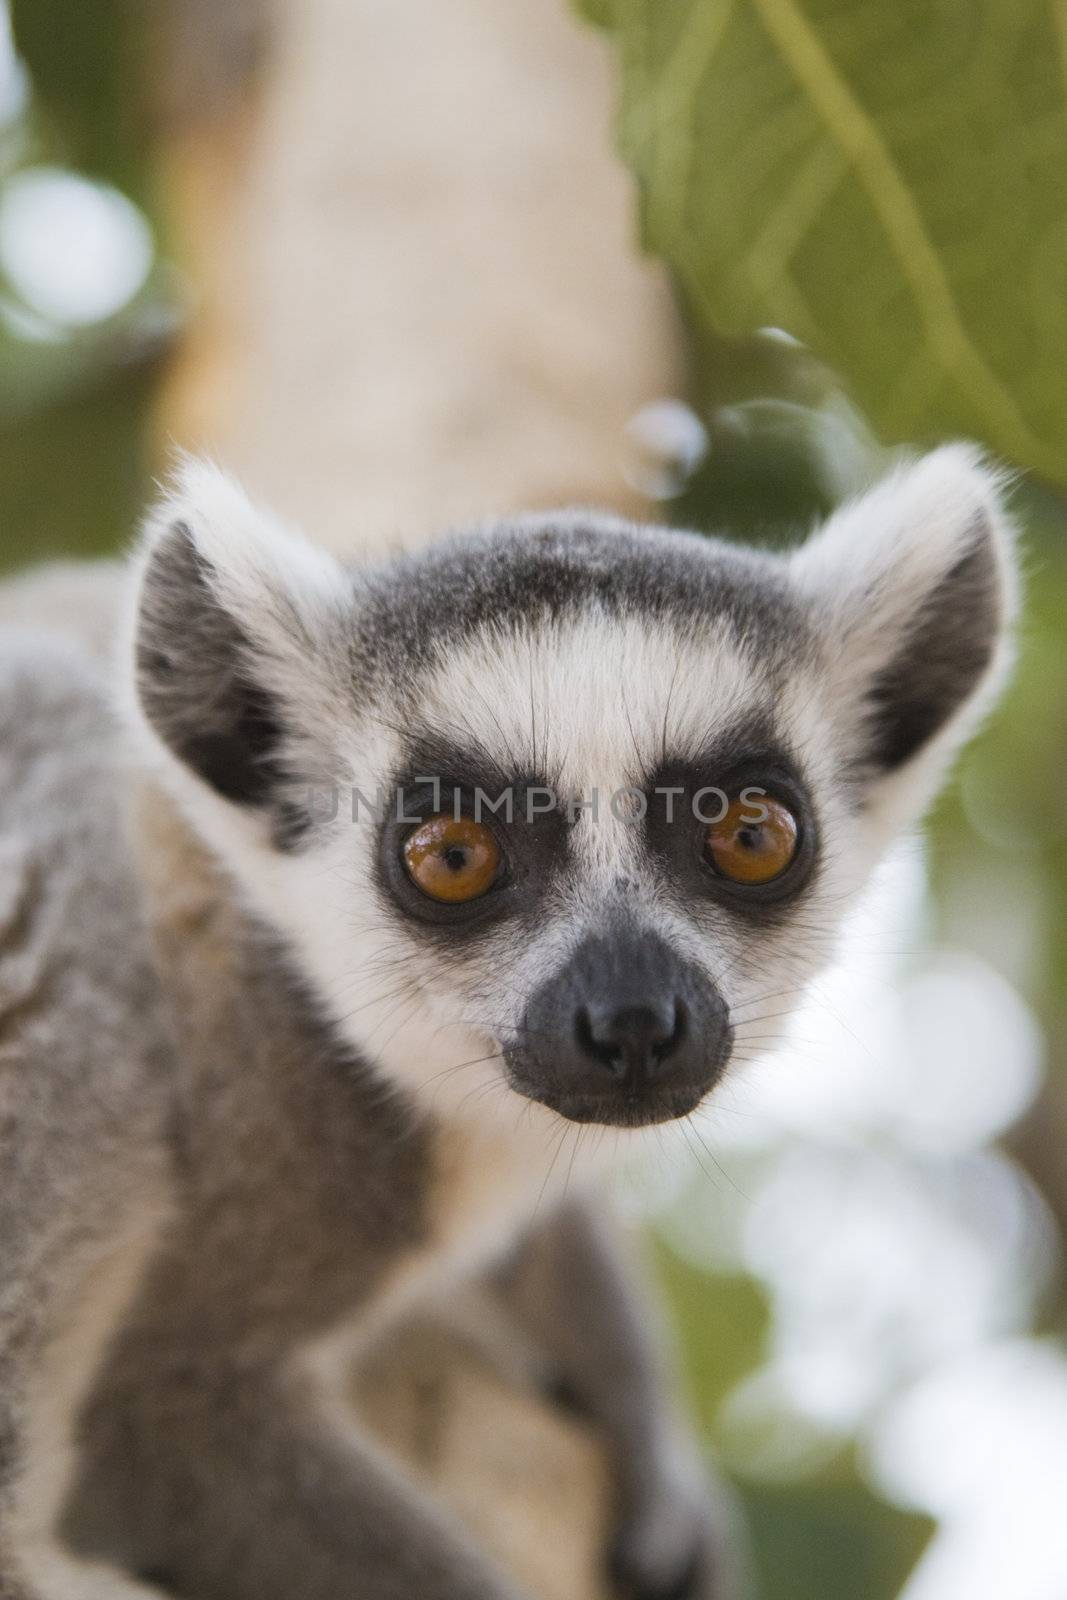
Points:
(914, 588)
(233, 626)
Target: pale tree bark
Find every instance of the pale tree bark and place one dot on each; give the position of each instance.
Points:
(415, 258)
(420, 301)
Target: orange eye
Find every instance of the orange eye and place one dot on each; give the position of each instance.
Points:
(452, 859)
(752, 851)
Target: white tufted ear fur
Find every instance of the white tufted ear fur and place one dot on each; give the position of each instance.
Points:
(915, 589)
(232, 629)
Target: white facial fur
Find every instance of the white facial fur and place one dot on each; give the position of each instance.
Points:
(594, 696)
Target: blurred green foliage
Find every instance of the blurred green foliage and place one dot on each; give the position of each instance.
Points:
(87, 67)
(830, 1540)
(74, 401)
(887, 182)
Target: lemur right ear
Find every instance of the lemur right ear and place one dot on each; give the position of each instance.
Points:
(233, 613)
(913, 588)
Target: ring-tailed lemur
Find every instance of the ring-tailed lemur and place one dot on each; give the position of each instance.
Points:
(270, 1075)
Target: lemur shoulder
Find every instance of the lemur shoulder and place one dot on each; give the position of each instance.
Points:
(277, 1062)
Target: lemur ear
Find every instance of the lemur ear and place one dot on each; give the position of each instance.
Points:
(914, 588)
(231, 631)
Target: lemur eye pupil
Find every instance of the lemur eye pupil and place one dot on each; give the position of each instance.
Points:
(452, 859)
(748, 852)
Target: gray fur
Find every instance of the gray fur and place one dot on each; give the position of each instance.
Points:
(236, 1114)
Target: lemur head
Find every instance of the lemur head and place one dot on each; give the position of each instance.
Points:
(566, 807)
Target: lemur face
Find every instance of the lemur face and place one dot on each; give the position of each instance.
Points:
(614, 829)
(568, 810)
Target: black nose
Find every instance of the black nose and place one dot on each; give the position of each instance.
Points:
(632, 1041)
(628, 1032)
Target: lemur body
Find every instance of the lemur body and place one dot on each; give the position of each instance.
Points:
(269, 1076)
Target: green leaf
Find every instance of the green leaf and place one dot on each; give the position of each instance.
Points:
(830, 1541)
(598, 11)
(886, 180)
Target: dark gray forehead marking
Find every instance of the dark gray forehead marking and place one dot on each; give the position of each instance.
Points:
(555, 566)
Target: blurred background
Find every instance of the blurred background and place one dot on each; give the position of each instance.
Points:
(386, 263)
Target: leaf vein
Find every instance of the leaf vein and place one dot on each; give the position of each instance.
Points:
(847, 123)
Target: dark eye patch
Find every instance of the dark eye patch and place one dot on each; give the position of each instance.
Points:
(685, 794)
(532, 840)
(535, 847)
